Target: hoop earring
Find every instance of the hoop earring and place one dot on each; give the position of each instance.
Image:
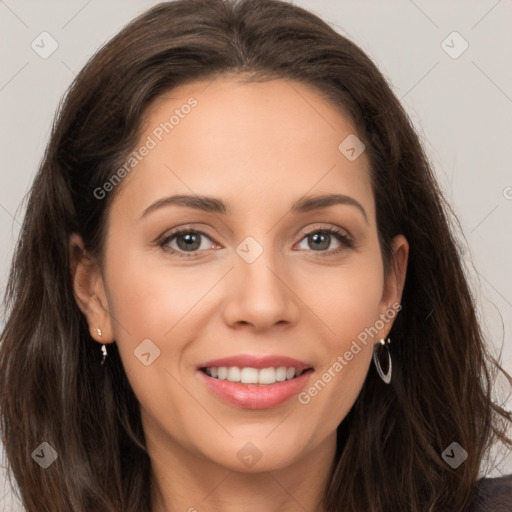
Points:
(104, 354)
(382, 360)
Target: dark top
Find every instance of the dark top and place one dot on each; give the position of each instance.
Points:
(493, 495)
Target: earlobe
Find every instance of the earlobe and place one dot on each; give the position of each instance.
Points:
(89, 291)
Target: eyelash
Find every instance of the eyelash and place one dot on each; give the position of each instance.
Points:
(346, 241)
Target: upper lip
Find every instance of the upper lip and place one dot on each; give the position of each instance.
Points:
(248, 361)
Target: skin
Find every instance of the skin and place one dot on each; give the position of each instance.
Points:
(259, 147)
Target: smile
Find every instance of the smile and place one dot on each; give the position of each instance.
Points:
(254, 382)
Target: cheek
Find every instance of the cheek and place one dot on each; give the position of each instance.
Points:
(148, 300)
(146, 311)
(348, 298)
(349, 302)
(337, 383)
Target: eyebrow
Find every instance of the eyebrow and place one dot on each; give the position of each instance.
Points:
(214, 205)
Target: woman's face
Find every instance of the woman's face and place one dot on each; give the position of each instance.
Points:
(255, 274)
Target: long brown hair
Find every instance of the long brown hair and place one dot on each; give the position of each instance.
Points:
(52, 388)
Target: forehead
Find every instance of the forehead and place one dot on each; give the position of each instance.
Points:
(253, 142)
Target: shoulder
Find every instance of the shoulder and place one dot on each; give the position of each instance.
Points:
(493, 495)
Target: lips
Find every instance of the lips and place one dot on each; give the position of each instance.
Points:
(255, 396)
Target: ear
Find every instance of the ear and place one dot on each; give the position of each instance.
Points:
(89, 291)
(394, 282)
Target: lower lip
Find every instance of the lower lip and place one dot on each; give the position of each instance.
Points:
(255, 396)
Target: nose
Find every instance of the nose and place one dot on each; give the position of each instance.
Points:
(260, 294)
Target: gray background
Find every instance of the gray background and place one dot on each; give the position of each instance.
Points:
(461, 107)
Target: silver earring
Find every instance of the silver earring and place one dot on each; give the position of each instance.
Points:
(104, 353)
(103, 349)
(382, 360)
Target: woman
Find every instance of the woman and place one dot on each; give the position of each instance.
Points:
(236, 286)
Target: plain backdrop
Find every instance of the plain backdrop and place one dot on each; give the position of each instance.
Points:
(460, 102)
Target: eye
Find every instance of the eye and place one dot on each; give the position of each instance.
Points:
(320, 240)
(187, 241)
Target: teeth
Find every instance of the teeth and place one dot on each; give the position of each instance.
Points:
(281, 374)
(253, 375)
(249, 376)
(234, 374)
(267, 376)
